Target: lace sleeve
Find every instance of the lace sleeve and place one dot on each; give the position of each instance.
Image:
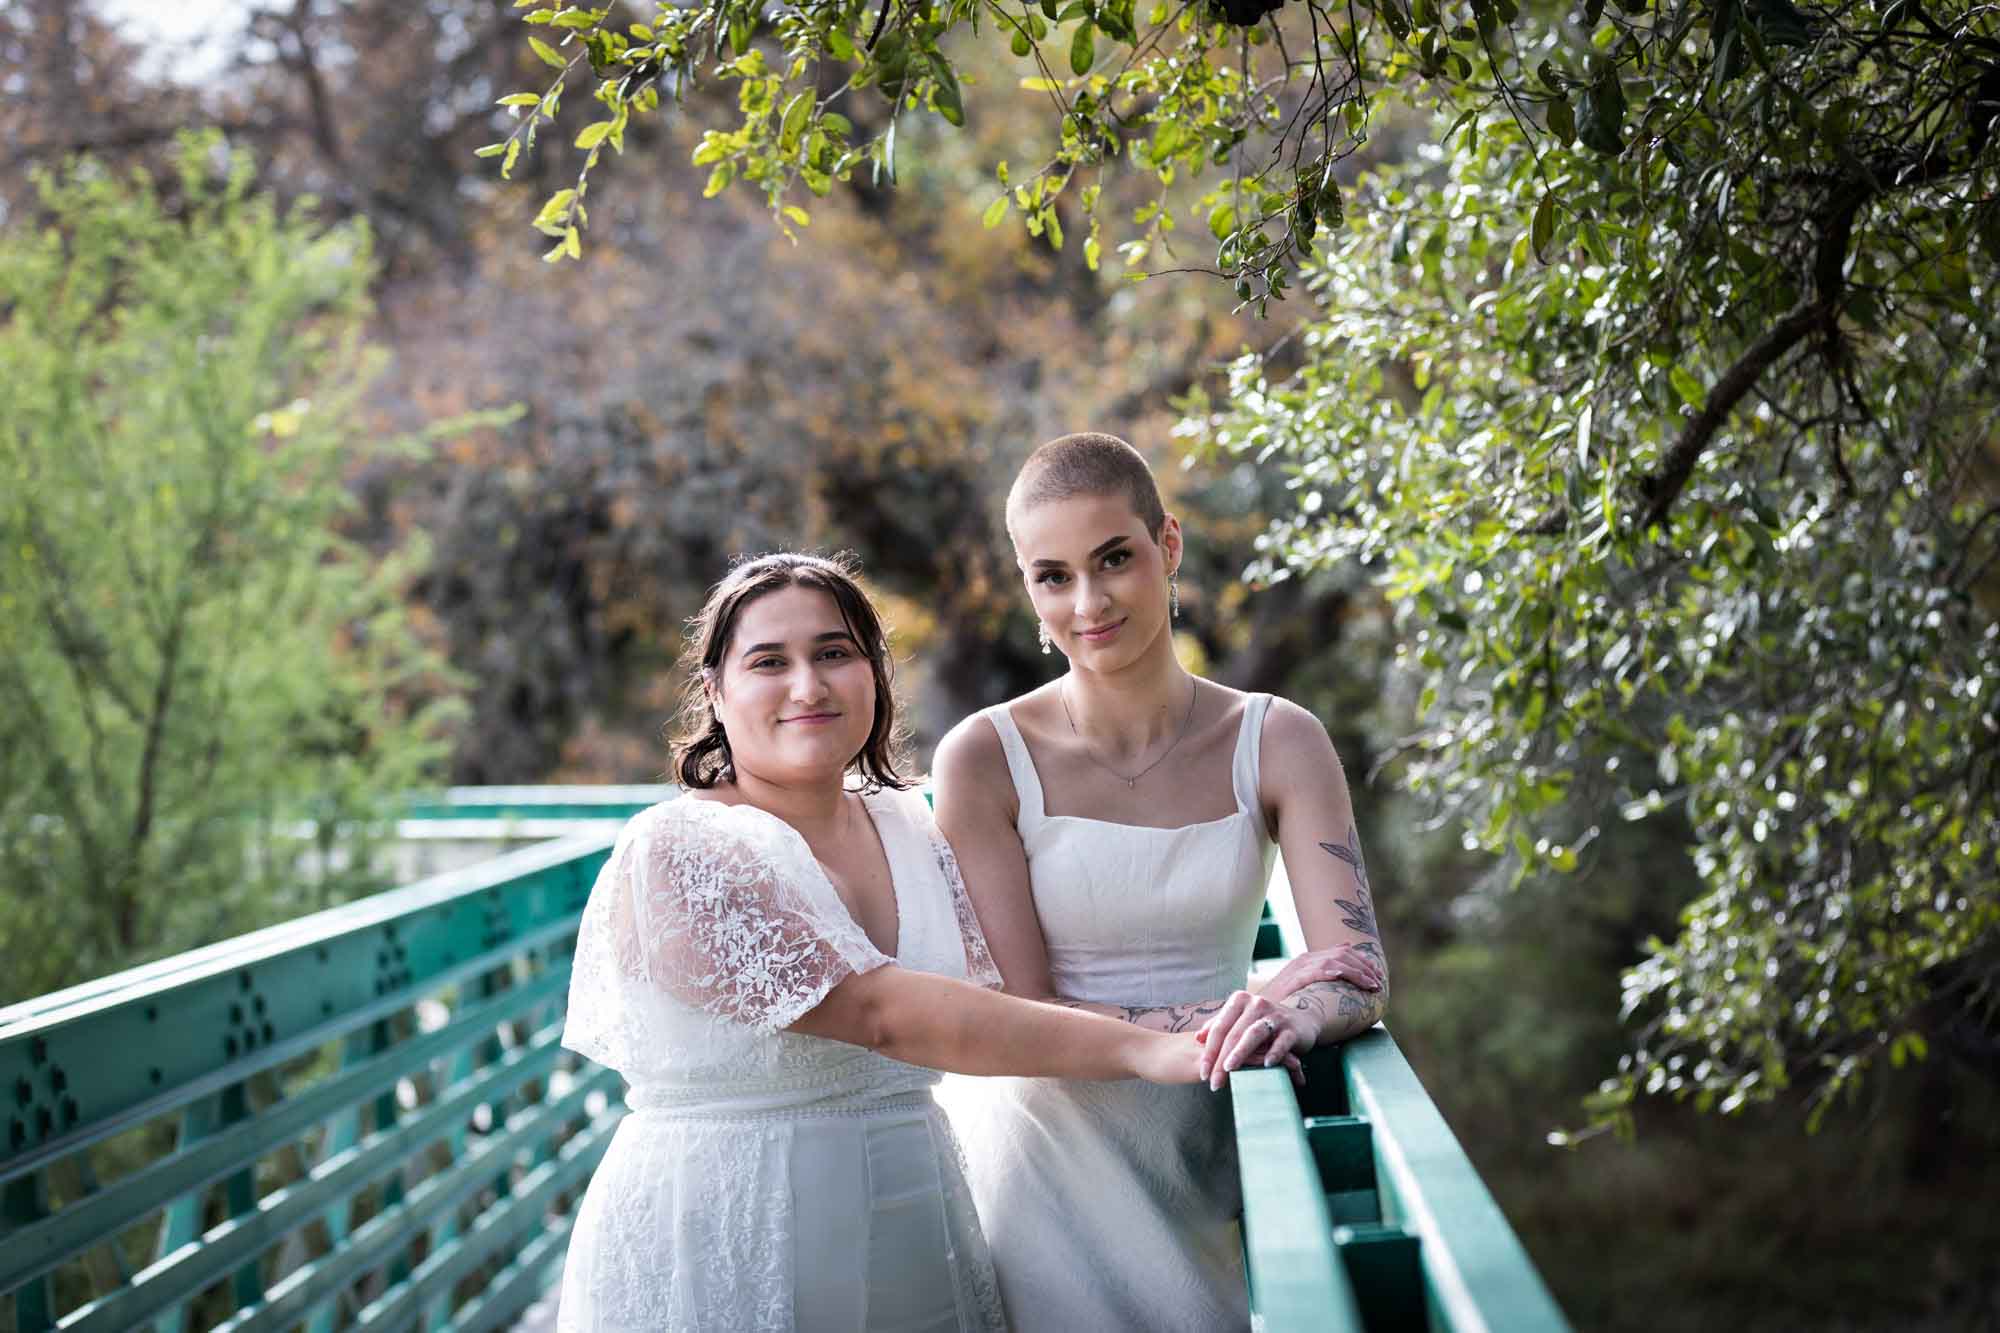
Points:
(718, 909)
(980, 969)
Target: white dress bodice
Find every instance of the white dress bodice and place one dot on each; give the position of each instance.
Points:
(1145, 916)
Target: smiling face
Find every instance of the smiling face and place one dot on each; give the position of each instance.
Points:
(794, 691)
(1097, 579)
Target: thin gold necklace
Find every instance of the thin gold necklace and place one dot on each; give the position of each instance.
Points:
(1194, 693)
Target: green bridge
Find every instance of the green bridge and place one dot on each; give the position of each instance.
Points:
(363, 1119)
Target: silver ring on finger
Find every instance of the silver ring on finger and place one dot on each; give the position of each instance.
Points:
(1267, 1023)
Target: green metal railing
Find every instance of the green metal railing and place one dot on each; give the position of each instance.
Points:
(361, 1118)
(535, 803)
(1361, 1212)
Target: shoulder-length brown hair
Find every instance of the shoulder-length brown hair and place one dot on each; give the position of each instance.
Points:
(701, 756)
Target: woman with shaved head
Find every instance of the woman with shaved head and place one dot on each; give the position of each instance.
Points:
(1115, 828)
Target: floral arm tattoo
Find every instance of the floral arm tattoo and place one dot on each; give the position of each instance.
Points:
(1341, 1007)
(1159, 1017)
(1358, 912)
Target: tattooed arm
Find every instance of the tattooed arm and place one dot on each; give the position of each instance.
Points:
(976, 812)
(1341, 1008)
(1311, 813)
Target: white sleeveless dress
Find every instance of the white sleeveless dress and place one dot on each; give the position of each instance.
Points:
(766, 1180)
(1115, 1205)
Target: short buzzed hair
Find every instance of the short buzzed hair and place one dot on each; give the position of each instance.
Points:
(1087, 464)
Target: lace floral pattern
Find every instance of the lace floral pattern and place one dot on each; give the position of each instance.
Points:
(980, 968)
(735, 1212)
(709, 931)
(709, 920)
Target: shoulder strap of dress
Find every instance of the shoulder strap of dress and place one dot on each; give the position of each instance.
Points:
(1249, 746)
(1020, 765)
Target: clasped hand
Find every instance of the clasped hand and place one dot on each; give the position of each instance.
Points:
(1261, 1028)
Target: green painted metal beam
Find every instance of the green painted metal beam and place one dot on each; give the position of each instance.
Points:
(196, 1030)
(1295, 1275)
(1477, 1275)
(1419, 1228)
(536, 803)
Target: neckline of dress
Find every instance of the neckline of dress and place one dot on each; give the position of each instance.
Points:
(1152, 828)
(873, 803)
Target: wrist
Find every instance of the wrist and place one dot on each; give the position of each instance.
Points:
(1142, 1051)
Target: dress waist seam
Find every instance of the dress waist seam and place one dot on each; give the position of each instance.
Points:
(905, 1104)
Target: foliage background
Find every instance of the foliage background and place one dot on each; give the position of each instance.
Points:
(696, 384)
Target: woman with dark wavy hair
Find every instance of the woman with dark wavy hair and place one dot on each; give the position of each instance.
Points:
(776, 961)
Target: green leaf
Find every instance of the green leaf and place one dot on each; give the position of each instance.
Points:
(1222, 221)
(1543, 228)
(1688, 387)
(490, 150)
(547, 53)
(520, 99)
(1602, 123)
(798, 215)
(592, 135)
(1093, 250)
(949, 100)
(1562, 121)
(996, 212)
(792, 123)
(1021, 45)
(1083, 49)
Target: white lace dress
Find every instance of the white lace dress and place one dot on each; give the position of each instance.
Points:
(764, 1180)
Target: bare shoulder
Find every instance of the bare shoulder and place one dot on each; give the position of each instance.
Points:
(970, 749)
(1296, 748)
(969, 770)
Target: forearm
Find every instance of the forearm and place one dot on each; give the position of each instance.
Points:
(941, 1023)
(1156, 1017)
(1341, 1009)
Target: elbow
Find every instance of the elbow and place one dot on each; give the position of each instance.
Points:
(875, 1023)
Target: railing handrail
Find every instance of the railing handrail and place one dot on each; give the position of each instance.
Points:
(159, 979)
(1475, 1275)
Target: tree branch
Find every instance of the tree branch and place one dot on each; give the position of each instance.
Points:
(1667, 481)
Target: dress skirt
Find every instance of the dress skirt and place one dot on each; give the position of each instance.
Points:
(833, 1221)
(1107, 1205)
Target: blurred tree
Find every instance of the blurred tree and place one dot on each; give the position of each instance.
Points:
(1664, 404)
(204, 691)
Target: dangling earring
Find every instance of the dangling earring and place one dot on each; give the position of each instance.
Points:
(1042, 635)
(1174, 596)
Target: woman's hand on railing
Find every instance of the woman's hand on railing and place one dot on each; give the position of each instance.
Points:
(1341, 962)
(1253, 1030)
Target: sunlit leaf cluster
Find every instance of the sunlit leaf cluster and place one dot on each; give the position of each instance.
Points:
(1668, 414)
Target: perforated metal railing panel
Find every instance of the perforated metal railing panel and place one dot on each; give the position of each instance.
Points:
(360, 1118)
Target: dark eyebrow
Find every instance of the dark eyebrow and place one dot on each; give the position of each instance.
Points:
(827, 637)
(1102, 548)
